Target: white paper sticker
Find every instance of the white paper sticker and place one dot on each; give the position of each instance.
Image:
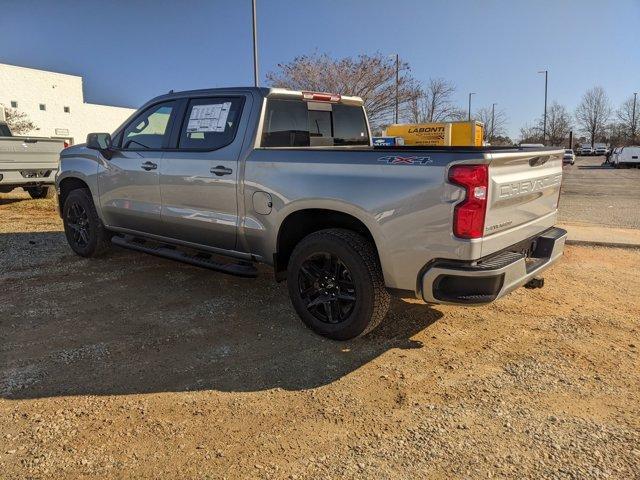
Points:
(209, 118)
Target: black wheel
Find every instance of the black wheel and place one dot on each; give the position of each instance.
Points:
(41, 192)
(83, 228)
(335, 284)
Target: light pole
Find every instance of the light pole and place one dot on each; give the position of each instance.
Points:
(397, 83)
(493, 120)
(544, 121)
(255, 44)
(633, 118)
(472, 93)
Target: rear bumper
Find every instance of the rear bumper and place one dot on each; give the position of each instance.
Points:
(486, 280)
(32, 175)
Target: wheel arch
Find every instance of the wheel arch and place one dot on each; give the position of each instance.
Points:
(66, 186)
(302, 222)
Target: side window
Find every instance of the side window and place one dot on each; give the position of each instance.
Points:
(210, 123)
(150, 129)
(286, 124)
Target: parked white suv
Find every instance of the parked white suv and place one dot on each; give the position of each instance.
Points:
(569, 157)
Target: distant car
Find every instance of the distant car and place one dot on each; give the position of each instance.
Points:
(569, 157)
(600, 150)
(585, 150)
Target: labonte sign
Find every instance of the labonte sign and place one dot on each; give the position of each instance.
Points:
(430, 135)
(438, 134)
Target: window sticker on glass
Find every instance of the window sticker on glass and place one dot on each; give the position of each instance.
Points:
(208, 118)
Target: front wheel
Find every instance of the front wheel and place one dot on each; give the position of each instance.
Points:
(41, 192)
(336, 285)
(83, 228)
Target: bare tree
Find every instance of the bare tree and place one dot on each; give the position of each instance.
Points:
(558, 124)
(593, 112)
(19, 123)
(628, 121)
(531, 134)
(372, 77)
(434, 103)
(495, 123)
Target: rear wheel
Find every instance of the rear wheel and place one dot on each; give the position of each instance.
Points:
(83, 228)
(41, 192)
(335, 284)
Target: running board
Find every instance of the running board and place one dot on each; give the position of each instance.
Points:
(199, 259)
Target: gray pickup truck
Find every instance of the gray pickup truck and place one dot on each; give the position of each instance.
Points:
(28, 162)
(226, 178)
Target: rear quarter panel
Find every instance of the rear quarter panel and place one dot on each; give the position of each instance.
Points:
(407, 208)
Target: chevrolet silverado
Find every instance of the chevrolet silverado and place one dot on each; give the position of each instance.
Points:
(227, 178)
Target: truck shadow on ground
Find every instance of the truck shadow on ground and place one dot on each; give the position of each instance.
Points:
(9, 201)
(130, 323)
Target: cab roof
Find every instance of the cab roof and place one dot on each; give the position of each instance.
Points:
(265, 92)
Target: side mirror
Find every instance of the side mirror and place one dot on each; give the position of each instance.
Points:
(99, 141)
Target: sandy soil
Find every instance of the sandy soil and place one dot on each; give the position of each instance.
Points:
(131, 366)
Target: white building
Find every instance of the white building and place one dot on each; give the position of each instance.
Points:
(55, 103)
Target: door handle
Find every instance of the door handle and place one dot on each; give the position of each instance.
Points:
(149, 166)
(221, 170)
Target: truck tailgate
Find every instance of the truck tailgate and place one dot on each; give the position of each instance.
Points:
(17, 152)
(524, 188)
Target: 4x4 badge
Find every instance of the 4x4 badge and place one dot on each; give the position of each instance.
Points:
(396, 160)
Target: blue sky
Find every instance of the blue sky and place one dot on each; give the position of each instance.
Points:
(130, 51)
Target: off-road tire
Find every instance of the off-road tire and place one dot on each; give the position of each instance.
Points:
(98, 238)
(358, 255)
(41, 192)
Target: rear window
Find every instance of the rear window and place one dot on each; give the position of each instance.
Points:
(210, 123)
(293, 123)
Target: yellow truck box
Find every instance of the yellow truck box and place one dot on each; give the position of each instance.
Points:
(437, 134)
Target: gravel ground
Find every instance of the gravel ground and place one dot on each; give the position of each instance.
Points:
(600, 195)
(131, 366)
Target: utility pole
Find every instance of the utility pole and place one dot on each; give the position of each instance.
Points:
(472, 93)
(544, 122)
(397, 83)
(633, 118)
(493, 120)
(255, 45)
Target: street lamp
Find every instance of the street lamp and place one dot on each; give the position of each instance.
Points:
(472, 93)
(397, 83)
(633, 118)
(255, 44)
(493, 119)
(544, 122)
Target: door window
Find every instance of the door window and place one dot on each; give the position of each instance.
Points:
(210, 123)
(150, 130)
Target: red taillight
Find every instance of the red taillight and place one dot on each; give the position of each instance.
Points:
(321, 97)
(468, 217)
(66, 144)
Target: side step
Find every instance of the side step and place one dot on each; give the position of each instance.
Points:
(199, 259)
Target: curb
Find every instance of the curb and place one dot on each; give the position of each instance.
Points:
(595, 243)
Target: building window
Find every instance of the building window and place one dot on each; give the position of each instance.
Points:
(14, 104)
(43, 106)
(67, 110)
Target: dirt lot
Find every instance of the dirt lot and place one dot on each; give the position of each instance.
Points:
(136, 367)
